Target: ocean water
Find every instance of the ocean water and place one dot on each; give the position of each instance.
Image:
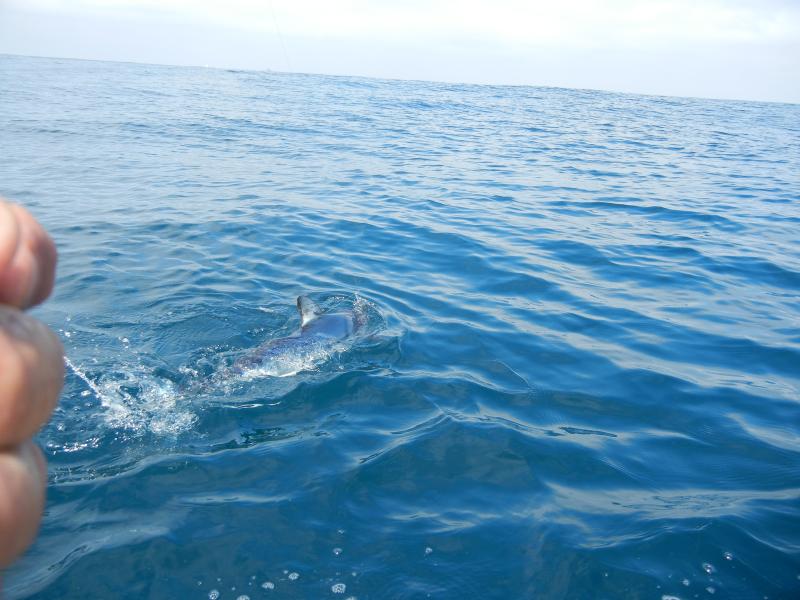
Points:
(578, 374)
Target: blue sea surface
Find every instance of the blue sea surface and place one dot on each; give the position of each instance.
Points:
(579, 375)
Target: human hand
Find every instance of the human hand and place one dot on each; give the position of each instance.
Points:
(31, 375)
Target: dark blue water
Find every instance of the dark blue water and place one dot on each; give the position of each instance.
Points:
(579, 375)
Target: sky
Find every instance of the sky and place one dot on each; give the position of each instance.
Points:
(739, 49)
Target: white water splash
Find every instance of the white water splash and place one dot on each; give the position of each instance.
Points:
(156, 407)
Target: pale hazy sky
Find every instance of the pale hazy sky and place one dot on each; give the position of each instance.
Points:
(746, 49)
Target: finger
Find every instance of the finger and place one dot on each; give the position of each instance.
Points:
(23, 478)
(9, 235)
(27, 265)
(32, 367)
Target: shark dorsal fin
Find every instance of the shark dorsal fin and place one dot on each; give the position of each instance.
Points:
(308, 310)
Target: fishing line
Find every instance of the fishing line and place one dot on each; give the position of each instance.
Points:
(86, 380)
(280, 37)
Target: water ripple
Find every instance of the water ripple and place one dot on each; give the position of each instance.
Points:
(580, 376)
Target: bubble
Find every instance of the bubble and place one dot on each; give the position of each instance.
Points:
(338, 588)
(428, 550)
(213, 595)
(685, 582)
(728, 556)
(243, 597)
(268, 585)
(668, 597)
(337, 551)
(708, 568)
(710, 590)
(293, 576)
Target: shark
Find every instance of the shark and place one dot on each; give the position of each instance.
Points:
(320, 335)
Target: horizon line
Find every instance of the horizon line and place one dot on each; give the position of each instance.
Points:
(397, 79)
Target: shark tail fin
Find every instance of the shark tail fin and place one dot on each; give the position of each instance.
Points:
(308, 310)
